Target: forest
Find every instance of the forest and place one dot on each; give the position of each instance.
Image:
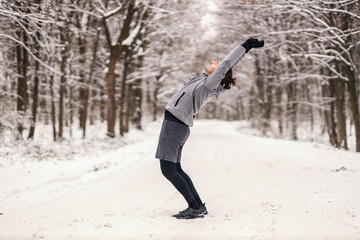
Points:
(87, 152)
(69, 64)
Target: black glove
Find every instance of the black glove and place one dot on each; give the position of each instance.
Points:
(252, 43)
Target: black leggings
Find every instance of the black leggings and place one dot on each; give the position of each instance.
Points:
(181, 181)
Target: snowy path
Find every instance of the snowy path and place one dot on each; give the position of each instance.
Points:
(254, 188)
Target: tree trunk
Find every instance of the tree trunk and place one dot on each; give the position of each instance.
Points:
(136, 104)
(129, 106)
(279, 108)
(53, 113)
(253, 96)
(115, 52)
(329, 91)
(148, 94)
(102, 104)
(255, 107)
(268, 77)
(36, 88)
(260, 82)
(340, 111)
(110, 92)
(92, 103)
(310, 108)
(138, 92)
(332, 114)
(292, 108)
(354, 104)
(268, 104)
(350, 71)
(239, 107)
(21, 61)
(70, 94)
(71, 110)
(155, 104)
(89, 82)
(25, 64)
(242, 109)
(64, 57)
(83, 88)
(123, 92)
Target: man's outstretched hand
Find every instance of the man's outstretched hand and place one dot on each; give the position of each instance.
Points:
(252, 43)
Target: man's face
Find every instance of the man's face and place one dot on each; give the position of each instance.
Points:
(209, 69)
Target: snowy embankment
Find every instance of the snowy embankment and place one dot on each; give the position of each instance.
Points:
(258, 188)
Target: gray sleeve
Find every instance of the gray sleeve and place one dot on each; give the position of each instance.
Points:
(213, 81)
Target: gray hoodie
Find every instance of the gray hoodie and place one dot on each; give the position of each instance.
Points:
(186, 103)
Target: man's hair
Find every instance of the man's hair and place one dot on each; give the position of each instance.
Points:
(228, 80)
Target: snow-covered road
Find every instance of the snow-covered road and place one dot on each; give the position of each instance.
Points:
(254, 188)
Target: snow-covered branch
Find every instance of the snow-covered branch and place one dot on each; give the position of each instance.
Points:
(28, 50)
(112, 12)
(130, 39)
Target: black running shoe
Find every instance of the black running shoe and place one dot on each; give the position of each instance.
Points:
(180, 213)
(190, 213)
(203, 208)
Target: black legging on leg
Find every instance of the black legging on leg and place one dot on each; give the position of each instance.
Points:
(181, 182)
(189, 182)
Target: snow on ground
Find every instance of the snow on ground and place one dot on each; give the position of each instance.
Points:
(43, 148)
(254, 188)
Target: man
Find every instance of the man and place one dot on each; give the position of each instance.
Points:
(179, 115)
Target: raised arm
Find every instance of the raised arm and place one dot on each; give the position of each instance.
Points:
(213, 81)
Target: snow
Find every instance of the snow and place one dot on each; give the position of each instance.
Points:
(209, 19)
(112, 12)
(253, 187)
(132, 35)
